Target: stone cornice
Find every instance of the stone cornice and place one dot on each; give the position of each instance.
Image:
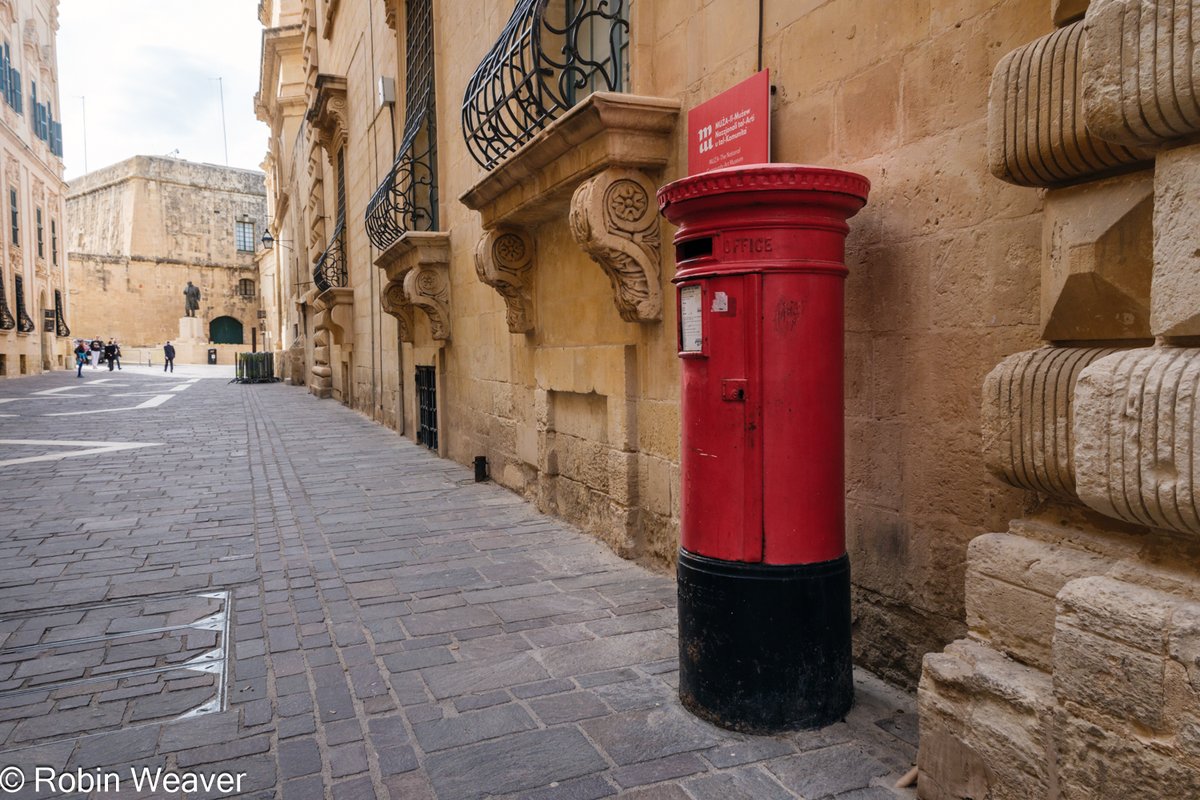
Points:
(328, 114)
(607, 129)
(276, 44)
(412, 250)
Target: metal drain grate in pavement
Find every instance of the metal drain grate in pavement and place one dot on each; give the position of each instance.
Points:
(87, 669)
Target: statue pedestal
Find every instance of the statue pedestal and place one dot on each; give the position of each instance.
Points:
(191, 330)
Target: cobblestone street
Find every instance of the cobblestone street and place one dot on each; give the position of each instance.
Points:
(215, 578)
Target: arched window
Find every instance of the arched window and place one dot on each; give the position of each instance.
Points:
(246, 287)
(225, 330)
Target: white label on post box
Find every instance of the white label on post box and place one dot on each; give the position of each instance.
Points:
(690, 319)
(720, 303)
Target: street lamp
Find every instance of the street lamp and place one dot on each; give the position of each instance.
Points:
(268, 241)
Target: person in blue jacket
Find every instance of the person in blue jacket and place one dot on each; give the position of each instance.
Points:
(83, 355)
(168, 357)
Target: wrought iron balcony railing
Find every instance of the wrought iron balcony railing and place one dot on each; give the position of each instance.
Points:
(407, 199)
(7, 320)
(551, 54)
(330, 270)
(60, 322)
(25, 323)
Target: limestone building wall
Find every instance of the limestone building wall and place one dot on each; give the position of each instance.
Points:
(141, 229)
(31, 165)
(581, 414)
(1028, 243)
(540, 363)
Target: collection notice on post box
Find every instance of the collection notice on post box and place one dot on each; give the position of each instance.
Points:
(691, 325)
(732, 128)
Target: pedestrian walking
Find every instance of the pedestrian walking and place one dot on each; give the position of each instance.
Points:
(82, 355)
(97, 348)
(168, 357)
(117, 345)
(110, 354)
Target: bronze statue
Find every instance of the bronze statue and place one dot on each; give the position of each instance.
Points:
(191, 300)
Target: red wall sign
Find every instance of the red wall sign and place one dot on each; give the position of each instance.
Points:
(732, 128)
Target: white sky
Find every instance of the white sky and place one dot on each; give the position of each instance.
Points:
(148, 69)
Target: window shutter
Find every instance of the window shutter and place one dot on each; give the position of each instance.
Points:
(4, 74)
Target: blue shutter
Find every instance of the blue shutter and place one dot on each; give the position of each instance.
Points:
(4, 74)
(58, 142)
(14, 77)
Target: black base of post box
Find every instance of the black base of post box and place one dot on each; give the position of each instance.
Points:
(765, 648)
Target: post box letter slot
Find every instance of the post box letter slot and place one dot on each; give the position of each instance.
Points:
(733, 390)
(694, 248)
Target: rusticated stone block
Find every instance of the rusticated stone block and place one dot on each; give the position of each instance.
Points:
(1175, 296)
(1136, 418)
(1110, 649)
(1011, 585)
(986, 726)
(1140, 83)
(1098, 763)
(1097, 259)
(1183, 677)
(1126, 683)
(1027, 418)
(1036, 132)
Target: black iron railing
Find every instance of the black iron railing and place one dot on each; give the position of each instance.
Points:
(407, 200)
(7, 320)
(25, 323)
(427, 420)
(60, 321)
(330, 270)
(549, 56)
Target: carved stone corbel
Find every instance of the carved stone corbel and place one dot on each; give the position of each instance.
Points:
(329, 114)
(504, 260)
(395, 302)
(428, 288)
(615, 220)
(417, 268)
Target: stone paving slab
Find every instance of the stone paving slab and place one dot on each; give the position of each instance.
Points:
(384, 627)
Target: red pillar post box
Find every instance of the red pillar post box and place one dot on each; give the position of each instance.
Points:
(764, 580)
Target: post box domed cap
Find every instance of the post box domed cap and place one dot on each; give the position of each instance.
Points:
(765, 177)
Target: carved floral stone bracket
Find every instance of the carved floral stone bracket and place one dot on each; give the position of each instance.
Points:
(428, 288)
(417, 267)
(591, 166)
(395, 302)
(615, 220)
(504, 261)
